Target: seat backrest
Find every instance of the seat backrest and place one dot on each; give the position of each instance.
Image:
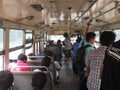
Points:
(31, 67)
(52, 68)
(36, 57)
(35, 60)
(23, 80)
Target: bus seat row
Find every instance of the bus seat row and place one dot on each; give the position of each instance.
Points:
(23, 80)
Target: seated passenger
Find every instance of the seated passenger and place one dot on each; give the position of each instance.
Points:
(46, 61)
(55, 67)
(39, 80)
(6, 80)
(21, 62)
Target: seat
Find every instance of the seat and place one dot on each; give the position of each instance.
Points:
(52, 68)
(23, 80)
(35, 60)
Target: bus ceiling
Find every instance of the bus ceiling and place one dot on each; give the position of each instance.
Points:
(59, 16)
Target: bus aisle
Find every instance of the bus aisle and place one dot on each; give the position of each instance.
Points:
(68, 80)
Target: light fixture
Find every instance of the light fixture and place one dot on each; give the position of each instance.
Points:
(99, 21)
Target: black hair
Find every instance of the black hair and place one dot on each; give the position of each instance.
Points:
(39, 79)
(65, 34)
(6, 79)
(58, 41)
(107, 38)
(49, 53)
(31, 54)
(22, 57)
(78, 40)
(89, 36)
(46, 61)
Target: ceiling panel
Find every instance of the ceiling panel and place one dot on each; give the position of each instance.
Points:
(58, 13)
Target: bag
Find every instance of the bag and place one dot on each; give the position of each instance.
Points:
(79, 61)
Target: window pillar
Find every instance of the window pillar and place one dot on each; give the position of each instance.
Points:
(6, 46)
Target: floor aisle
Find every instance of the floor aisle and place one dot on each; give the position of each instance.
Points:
(68, 80)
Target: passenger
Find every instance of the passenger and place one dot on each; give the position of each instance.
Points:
(50, 54)
(59, 53)
(54, 67)
(67, 47)
(89, 40)
(6, 80)
(76, 46)
(46, 61)
(21, 62)
(94, 61)
(111, 68)
(52, 47)
(39, 81)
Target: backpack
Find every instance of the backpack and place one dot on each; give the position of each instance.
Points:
(79, 61)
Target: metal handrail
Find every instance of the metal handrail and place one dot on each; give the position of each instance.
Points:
(30, 67)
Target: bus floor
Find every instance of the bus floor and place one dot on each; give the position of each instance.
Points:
(68, 80)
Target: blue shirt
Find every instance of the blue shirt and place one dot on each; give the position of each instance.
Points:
(75, 48)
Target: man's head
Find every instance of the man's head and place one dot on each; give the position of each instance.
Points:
(46, 61)
(6, 80)
(90, 37)
(78, 40)
(107, 38)
(65, 35)
(22, 57)
(39, 79)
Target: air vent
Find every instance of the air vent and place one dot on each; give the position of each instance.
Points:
(37, 7)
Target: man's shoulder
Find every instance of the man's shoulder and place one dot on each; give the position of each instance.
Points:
(116, 44)
(114, 53)
(89, 47)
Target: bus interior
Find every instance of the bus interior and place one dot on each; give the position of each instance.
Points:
(26, 26)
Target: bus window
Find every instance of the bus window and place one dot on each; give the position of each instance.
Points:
(56, 37)
(1, 49)
(28, 46)
(117, 32)
(97, 44)
(15, 40)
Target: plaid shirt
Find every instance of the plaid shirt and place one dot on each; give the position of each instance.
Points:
(95, 60)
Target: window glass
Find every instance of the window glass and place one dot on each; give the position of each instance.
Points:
(117, 32)
(56, 37)
(1, 62)
(14, 54)
(97, 35)
(29, 39)
(1, 48)
(16, 38)
(97, 44)
(1, 39)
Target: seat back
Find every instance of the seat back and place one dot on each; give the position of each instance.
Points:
(23, 80)
(52, 68)
(31, 67)
(35, 60)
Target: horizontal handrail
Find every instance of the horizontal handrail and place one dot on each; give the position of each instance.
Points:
(30, 67)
